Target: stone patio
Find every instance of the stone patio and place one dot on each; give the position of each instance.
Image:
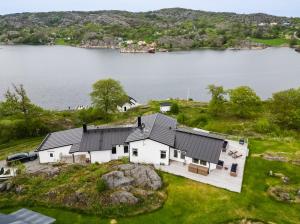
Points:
(219, 178)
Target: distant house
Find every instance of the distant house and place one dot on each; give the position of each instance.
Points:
(25, 216)
(132, 103)
(165, 107)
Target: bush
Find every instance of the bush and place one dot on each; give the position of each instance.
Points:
(201, 120)
(101, 185)
(174, 108)
(181, 118)
(263, 126)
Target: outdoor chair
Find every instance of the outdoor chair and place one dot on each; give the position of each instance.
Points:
(224, 148)
(231, 152)
(220, 164)
(237, 155)
(233, 170)
(242, 141)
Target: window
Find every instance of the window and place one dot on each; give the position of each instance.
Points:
(175, 153)
(114, 150)
(163, 154)
(202, 162)
(134, 152)
(125, 148)
(195, 160)
(182, 155)
(51, 154)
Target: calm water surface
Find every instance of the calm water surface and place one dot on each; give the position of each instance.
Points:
(58, 77)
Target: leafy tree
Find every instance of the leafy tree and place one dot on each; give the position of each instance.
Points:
(244, 102)
(174, 108)
(107, 95)
(285, 106)
(217, 103)
(17, 103)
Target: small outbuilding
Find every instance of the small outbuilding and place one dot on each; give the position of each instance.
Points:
(165, 107)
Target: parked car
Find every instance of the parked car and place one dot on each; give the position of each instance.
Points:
(21, 157)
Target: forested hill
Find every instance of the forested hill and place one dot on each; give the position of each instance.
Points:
(168, 28)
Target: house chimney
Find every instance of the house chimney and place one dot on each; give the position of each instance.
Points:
(84, 126)
(139, 122)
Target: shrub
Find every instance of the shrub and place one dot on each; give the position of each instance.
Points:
(174, 108)
(101, 185)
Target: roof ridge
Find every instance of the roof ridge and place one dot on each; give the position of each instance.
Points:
(153, 124)
(199, 134)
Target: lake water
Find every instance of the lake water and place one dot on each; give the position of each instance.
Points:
(58, 77)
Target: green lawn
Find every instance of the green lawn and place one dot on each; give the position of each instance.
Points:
(193, 202)
(272, 42)
(23, 145)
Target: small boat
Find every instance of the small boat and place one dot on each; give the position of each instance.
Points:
(151, 51)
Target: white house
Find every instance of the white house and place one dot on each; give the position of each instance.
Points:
(132, 103)
(165, 107)
(154, 139)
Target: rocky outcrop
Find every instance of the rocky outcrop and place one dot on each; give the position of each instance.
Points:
(130, 181)
(144, 176)
(116, 179)
(123, 197)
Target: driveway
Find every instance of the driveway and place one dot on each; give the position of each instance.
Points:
(33, 166)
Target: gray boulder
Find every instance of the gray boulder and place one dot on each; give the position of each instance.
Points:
(145, 177)
(123, 197)
(2, 187)
(117, 179)
(9, 186)
(284, 196)
(19, 189)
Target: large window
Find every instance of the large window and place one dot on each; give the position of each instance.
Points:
(203, 163)
(182, 155)
(163, 154)
(134, 152)
(125, 148)
(175, 153)
(114, 150)
(196, 161)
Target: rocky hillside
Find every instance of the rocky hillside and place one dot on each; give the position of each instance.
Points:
(109, 190)
(169, 28)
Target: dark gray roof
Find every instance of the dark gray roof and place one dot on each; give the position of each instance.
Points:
(75, 148)
(25, 216)
(101, 139)
(61, 138)
(166, 104)
(199, 145)
(201, 133)
(157, 127)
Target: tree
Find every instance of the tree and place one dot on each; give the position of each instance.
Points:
(107, 94)
(244, 102)
(217, 103)
(17, 103)
(174, 108)
(285, 106)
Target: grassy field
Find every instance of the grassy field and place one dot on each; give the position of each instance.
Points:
(272, 42)
(24, 145)
(193, 202)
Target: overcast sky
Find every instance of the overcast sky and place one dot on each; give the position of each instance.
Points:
(275, 7)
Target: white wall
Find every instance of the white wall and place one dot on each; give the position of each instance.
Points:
(178, 157)
(120, 152)
(101, 156)
(164, 109)
(44, 156)
(149, 152)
